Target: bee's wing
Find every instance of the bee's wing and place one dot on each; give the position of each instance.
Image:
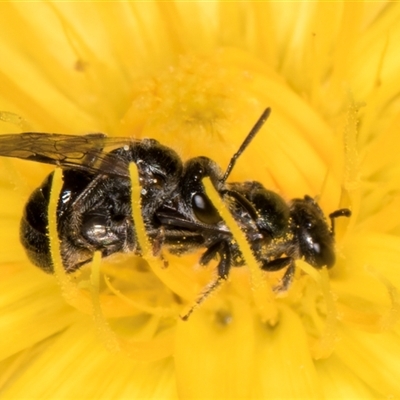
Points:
(89, 152)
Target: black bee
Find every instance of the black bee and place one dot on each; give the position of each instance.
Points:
(94, 209)
(278, 232)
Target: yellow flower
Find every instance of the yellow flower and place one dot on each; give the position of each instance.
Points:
(196, 77)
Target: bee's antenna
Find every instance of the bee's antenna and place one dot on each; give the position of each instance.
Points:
(246, 142)
(343, 212)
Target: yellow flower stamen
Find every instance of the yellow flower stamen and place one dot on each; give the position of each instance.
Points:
(374, 321)
(158, 311)
(67, 287)
(137, 218)
(154, 348)
(262, 292)
(323, 346)
(170, 279)
(105, 333)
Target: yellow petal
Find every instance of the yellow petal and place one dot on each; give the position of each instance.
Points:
(339, 382)
(204, 347)
(373, 358)
(75, 365)
(283, 367)
(32, 310)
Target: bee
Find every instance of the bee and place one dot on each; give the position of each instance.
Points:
(94, 211)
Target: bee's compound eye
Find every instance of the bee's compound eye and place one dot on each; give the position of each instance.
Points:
(204, 209)
(324, 253)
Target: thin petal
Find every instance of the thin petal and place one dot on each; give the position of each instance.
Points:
(339, 382)
(206, 344)
(32, 309)
(284, 368)
(374, 358)
(91, 372)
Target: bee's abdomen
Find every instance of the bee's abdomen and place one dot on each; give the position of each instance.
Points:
(33, 229)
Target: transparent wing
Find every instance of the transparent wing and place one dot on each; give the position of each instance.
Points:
(90, 152)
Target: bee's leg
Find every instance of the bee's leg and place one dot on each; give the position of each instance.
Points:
(157, 245)
(158, 241)
(223, 268)
(211, 253)
(278, 264)
(287, 278)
